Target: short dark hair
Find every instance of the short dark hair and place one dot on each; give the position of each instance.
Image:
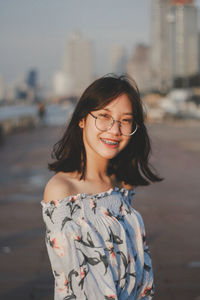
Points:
(131, 165)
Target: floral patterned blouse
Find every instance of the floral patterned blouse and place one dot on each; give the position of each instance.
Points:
(97, 247)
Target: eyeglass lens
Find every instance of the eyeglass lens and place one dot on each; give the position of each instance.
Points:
(105, 122)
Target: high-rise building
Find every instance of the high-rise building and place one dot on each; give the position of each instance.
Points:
(160, 44)
(184, 38)
(32, 79)
(78, 62)
(139, 67)
(174, 41)
(62, 85)
(31, 91)
(2, 88)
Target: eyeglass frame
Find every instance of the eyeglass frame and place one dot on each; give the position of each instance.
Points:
(120, 123)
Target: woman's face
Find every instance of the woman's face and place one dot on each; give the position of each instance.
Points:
(107, 144)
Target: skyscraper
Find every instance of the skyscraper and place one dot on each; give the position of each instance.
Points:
(32, 79)
(160, 44)
(184, 38)
(174, 41)
(78, 62)
(139, 68)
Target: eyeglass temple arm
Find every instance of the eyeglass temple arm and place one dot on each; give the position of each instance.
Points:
(93, 115)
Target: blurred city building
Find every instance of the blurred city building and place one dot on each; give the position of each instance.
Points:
(160, 45)
(184, 38)
(174, 42)
(139, 67)
(2, 89)
(10, 93)
(78, 63)
(118, 59)
(32, 79)
(31, 86)
(62, 85)
(24, 89)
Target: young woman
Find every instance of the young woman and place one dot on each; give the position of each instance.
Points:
(95, 239)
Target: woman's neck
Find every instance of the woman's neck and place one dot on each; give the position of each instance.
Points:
(97, 171)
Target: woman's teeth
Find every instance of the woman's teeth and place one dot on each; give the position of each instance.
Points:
(110, 142)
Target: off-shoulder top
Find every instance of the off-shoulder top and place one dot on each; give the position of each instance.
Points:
(97, 247)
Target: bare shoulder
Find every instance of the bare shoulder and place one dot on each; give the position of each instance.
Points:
(57, 188)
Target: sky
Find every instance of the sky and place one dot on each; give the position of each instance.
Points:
(34, 33)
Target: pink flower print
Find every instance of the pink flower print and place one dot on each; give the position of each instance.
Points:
(92, 204)
(77, 238)
(58, 243)
(55, 202)
(109, 293)
(82, 272)
(147, 291)
(110, 249)
(112, 252)
(122, 209)
(73, 199)
(74, 236)
(108, 213)
(110, 297)
(62, 284)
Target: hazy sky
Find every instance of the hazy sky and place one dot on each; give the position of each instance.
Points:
(33, 33)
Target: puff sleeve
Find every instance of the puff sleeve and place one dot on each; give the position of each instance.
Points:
(62, 252)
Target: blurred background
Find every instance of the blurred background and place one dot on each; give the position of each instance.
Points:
(50, 51)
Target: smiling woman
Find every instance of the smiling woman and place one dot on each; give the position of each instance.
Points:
(95, 239)
(103, 137)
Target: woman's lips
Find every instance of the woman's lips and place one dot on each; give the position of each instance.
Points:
(110, 142)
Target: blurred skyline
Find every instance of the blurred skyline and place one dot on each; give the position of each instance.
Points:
(34, 34)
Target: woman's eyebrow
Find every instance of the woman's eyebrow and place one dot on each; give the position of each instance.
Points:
(125, 113)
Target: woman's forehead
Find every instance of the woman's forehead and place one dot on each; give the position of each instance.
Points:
(122, 103)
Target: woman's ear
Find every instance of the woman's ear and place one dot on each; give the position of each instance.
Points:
(81, 123)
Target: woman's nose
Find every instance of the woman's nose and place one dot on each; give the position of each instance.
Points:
(116, 128)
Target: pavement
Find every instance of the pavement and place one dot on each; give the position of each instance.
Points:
(170, 210)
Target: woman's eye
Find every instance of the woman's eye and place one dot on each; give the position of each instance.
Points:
(127, 121)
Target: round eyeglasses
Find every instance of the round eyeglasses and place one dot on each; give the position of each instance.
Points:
(105, 122)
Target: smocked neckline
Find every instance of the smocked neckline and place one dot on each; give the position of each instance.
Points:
(91, 196)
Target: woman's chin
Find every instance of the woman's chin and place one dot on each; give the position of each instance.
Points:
(108, 156)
